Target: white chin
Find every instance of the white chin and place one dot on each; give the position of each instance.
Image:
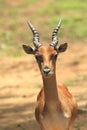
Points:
(48, 75)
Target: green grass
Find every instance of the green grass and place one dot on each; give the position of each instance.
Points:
(73, 27)
(10, 9)
(14, 30)
(74, 23)
(59, 7)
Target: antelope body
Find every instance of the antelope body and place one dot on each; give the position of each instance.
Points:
(56, 108)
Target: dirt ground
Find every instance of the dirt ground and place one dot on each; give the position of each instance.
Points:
(20, 82)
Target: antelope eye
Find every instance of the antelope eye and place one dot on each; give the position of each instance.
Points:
(39, 58)
(53, 56)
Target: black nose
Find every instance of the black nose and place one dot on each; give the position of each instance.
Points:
(46, 70)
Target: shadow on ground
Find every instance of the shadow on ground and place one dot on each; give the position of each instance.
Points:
(21, 117)
(18, 117)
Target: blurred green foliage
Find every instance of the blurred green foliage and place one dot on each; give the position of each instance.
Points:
(73, 14)
(13, 16)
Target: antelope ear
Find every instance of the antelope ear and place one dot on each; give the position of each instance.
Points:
(28, 49)
(62, 47)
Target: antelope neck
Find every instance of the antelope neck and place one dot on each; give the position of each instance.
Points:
(50, 89)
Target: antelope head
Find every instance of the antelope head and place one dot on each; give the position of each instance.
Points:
(46, 55)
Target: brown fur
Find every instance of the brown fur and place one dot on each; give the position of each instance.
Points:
(65, 98)
(56, 108)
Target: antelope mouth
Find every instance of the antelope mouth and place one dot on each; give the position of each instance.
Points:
(47, 73)
(47, 76)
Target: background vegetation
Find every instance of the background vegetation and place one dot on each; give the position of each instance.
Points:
(14, 14)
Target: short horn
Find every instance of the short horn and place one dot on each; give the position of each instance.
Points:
(36, 42)
(54, 35)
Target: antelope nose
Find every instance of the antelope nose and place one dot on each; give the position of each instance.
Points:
(46, 70)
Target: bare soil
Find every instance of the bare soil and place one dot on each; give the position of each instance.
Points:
(20, 82)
